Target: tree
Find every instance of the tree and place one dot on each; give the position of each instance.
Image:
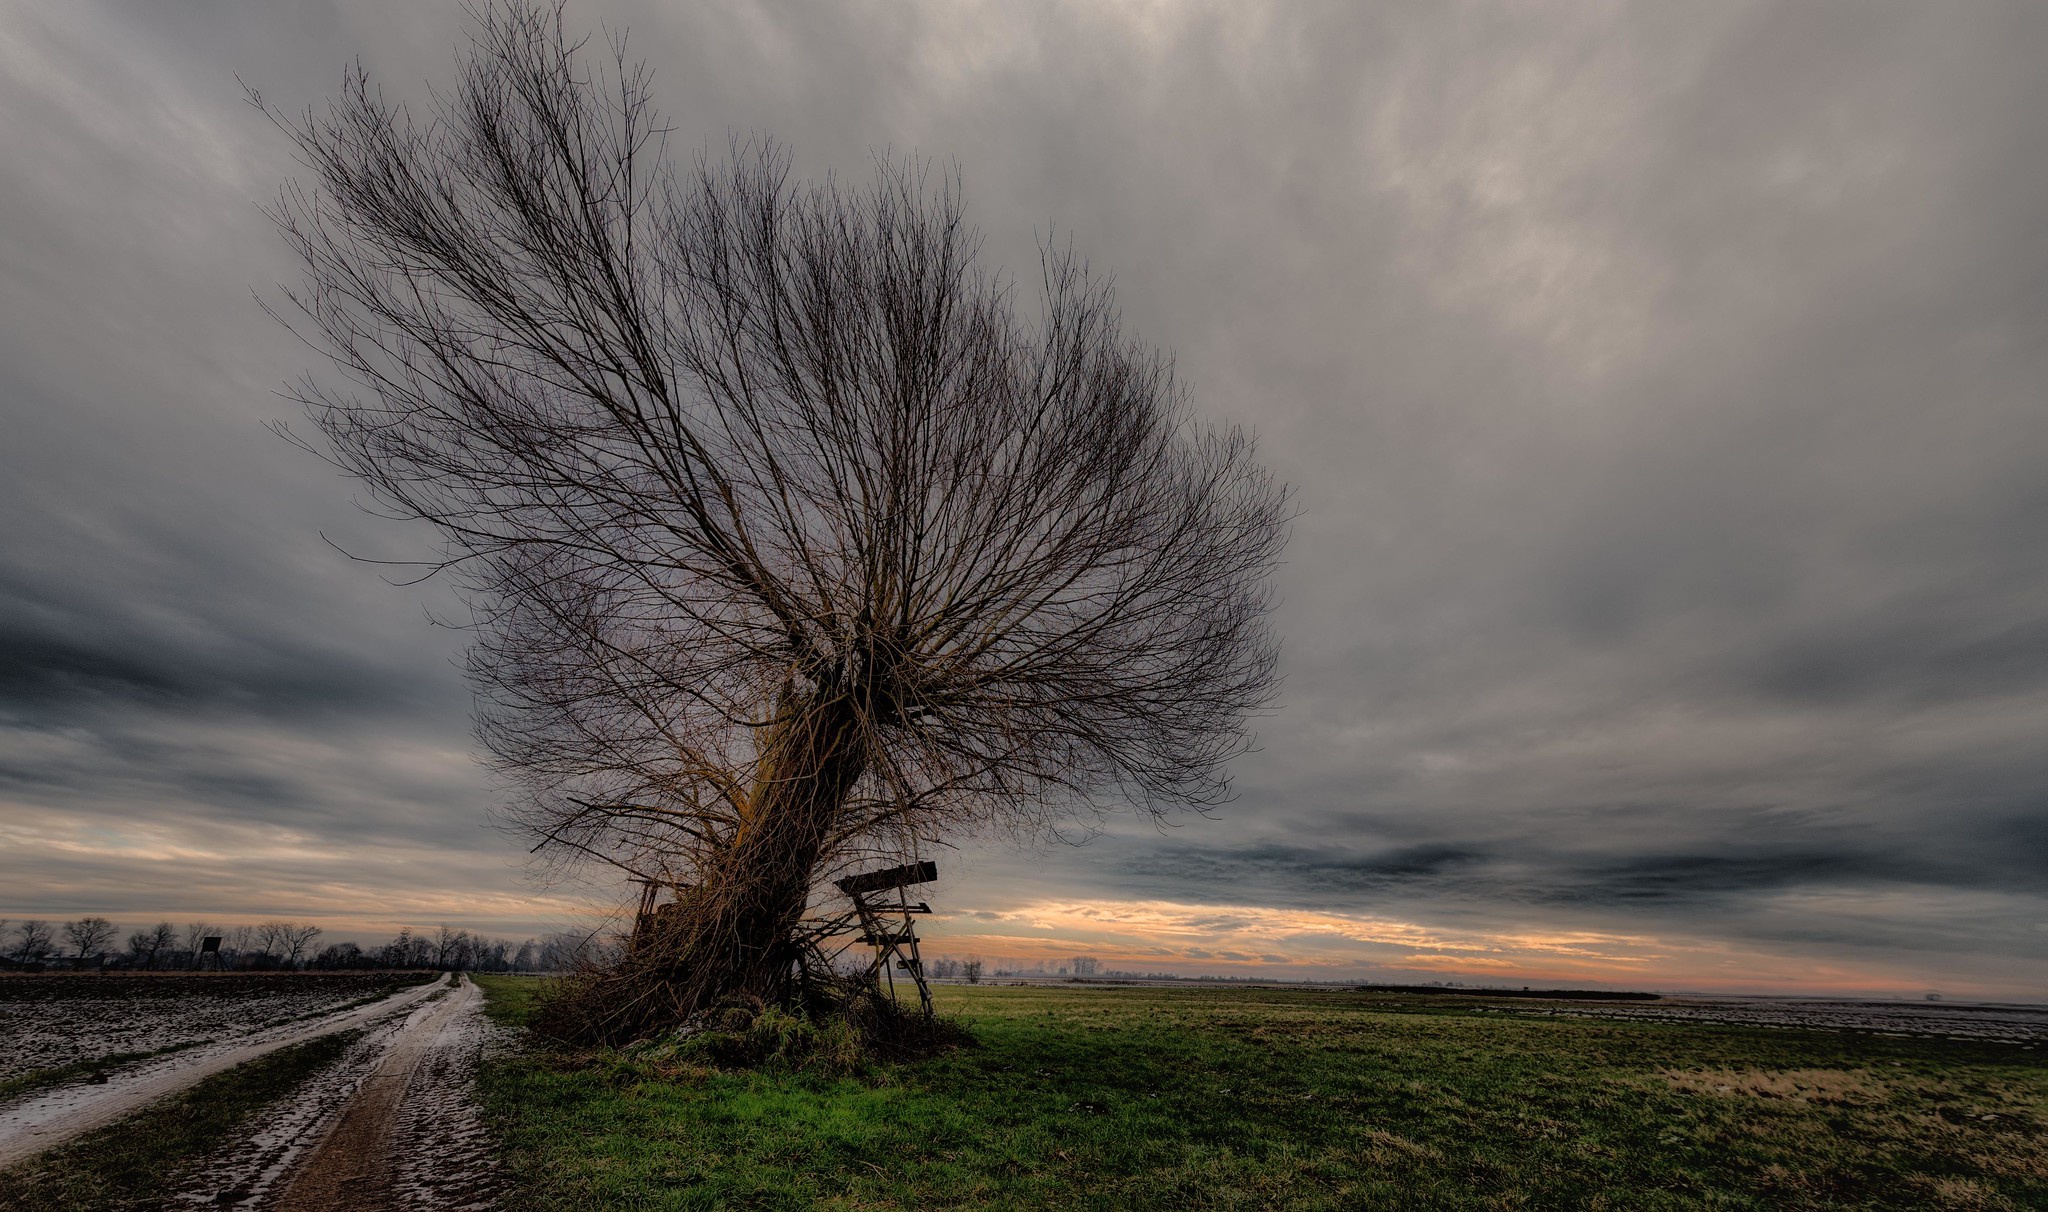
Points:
(408, 951)
(147, 943)
(971, 969)
(450, 947)
(271, 939)
(89, 935)
(789, 544)
(336, 956)
(33, 940)
(196, 934)
(297, 937)
(236, 942)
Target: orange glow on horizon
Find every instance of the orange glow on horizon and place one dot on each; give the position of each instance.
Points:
(1250, 940)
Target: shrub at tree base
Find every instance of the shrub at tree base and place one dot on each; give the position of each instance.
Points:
(831, 1037)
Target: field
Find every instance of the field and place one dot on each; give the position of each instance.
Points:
(1069, 1097)
(250, 1098)
(60, 1024)
(1220, 1098)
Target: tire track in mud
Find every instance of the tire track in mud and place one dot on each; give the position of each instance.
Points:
(53, 1117)
(392, 1125)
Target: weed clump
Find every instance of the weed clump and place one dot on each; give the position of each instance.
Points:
(832, 1036)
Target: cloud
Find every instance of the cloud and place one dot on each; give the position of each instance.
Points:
(1662, 388)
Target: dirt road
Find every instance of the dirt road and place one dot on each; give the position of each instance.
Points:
(392, 1125)
(360, 1161)
(48, 1119)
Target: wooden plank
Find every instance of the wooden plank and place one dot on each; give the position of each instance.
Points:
(889, 877)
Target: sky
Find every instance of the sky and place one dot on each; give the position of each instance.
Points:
(1663, 387)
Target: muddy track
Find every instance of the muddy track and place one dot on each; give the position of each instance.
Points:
(357, 1164)
(53, 1117)
(392, 1124)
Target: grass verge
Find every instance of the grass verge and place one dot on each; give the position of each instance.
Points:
(1206, 1098)
(134, 1164)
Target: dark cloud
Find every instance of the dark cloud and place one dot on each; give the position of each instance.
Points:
(1663, 387)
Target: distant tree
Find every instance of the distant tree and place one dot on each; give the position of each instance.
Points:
(196, 934)
(527, 956)
(237, 942)
(971, 969)
(147, 944)
(337, 956)
(566, 952)
(89, 935)
(271, 939)
(33, 940)
(297, 937)
(409, 950)
(448, 943)
(790, 543)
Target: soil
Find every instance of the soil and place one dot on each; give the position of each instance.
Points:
(61, 1018)
(392, 1125)
(52, 1117)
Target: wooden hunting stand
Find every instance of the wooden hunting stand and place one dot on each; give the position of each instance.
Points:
(651, 917)
(894, 941)
(883, 923)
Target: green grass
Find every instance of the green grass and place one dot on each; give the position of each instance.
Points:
(1208, 1098)
(134, 1164)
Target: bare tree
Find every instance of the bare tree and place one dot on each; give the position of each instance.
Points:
(297, 937)
(33, 940)
(448, 946)
(789, 543)
(146, 944)
(236, 942)
(971, 969)
(267, 937)
(89, 935)
(196, 934)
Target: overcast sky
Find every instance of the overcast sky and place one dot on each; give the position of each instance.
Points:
(1665, 389)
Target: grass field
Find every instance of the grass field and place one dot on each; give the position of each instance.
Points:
(1215, 1098)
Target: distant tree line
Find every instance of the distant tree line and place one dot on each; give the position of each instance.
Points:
(271, 946)
(948, 969)
(452, 950)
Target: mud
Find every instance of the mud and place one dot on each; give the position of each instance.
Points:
(59, 1018)
(393, 1125)
(52, 1117)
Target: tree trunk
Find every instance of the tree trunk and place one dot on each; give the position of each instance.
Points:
(732, 936)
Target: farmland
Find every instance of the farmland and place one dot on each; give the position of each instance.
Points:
(298, 1081)
(1222, 1098)
(59, 1022)
(1071, 1096)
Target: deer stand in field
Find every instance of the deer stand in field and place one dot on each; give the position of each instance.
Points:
(889, 925)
